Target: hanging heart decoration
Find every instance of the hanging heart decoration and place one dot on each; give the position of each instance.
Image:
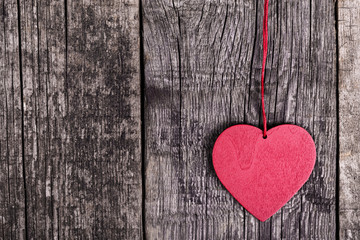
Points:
(264, 169)
(263, 174)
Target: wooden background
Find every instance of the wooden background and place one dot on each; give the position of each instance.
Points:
(109, 110)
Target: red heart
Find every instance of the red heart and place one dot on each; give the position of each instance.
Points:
(263, 174)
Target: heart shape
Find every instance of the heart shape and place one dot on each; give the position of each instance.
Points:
(263, 174)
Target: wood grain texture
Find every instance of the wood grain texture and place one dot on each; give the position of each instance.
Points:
(202, 75)
(349, 112)
(82, 118)
(70, 149)
(12, 192)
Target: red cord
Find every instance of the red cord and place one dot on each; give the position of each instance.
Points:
(265, 46)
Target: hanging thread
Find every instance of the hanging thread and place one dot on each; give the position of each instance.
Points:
(265, 47)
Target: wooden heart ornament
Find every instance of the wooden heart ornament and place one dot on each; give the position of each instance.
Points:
(263, 174)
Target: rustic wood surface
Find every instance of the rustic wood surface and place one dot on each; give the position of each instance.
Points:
(77, 74)
(202, 74)
(349, 112)
(80, 161)
(12, 200)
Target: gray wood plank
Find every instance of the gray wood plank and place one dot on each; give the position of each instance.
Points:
(12, 192)
(349, 112)
(82, 119)
(202, 74)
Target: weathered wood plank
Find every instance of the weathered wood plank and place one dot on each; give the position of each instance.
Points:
(202, 73)
(349, 112)
(12, 192)
(82, 118)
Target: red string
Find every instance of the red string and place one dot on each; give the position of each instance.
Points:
(265, 46)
